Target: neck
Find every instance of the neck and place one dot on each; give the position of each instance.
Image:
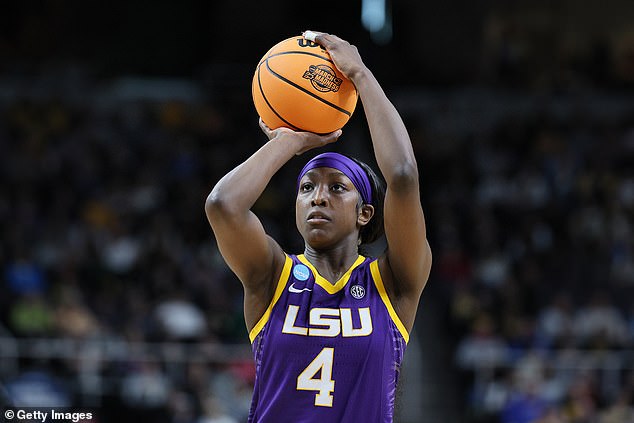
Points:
(332, 263)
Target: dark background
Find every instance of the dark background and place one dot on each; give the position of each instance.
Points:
(433, 42)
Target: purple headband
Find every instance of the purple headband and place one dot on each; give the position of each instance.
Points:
(346, 166)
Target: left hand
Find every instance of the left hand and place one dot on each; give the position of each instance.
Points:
(345, 55)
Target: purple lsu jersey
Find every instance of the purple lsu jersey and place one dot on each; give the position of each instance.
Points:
(327, 352)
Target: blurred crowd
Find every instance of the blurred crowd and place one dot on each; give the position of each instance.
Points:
(104, 239)
(532, 219)
(530, 215)
(534, 253)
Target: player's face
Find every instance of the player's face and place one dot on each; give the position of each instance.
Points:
(327, 207)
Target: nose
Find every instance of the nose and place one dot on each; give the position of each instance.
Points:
(320, 196)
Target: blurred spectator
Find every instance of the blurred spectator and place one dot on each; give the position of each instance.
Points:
(146, 387)
(39, 388)
(600, 324)
(620, 411)
(524, 407)
(181, 407)
(232, 392)
(580, 404)
(482, 346)
(554, 322)
(180, 319)
(72, 318)
(214, 412)
(31, 315)
(25, 277)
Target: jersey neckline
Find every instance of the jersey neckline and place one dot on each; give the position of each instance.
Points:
(325, 283)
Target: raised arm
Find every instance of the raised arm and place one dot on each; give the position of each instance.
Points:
(254, 257)
(408, 256)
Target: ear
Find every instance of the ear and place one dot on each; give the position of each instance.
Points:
(366, 211)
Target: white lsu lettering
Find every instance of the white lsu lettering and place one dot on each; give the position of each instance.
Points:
(330, 322)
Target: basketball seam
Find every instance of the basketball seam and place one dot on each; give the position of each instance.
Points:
(327, 59)
(334, 106)
(271, 107)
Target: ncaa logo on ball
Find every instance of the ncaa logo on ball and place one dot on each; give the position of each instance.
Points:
(323, 78)
(357, 291)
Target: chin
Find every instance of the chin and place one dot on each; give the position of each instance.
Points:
(318, 241)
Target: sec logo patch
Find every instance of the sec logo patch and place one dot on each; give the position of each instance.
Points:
(357, 291)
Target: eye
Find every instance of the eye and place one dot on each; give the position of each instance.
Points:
(306, 187)
(337, 187)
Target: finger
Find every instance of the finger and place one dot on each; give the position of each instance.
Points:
(335, 38)
(320, 38)
(311, 35)
(324, 39)
(264, 127)
(333, 136)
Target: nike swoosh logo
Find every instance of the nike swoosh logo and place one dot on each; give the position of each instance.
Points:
(297, 291)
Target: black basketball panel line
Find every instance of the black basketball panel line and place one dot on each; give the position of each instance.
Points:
(271, 107)
(326, 58)
(304, 90)
(306, 53)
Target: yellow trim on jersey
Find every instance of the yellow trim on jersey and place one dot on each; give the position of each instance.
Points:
(281, 284)
(378, 281)
(325, 283)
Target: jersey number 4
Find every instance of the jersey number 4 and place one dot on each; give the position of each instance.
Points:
(324, 385)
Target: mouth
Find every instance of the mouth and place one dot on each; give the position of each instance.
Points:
(317, 217)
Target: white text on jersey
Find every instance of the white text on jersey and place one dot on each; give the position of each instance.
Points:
(329, 322)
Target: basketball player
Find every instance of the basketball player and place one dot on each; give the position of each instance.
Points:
(329, 327)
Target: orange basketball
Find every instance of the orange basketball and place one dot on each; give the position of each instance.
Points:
(297, 85)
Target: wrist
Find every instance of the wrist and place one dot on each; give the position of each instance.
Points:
(359, 77)
(287, 141)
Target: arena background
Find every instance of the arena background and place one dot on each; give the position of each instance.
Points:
(118, 118)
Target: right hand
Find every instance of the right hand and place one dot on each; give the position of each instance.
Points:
(303, 141)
